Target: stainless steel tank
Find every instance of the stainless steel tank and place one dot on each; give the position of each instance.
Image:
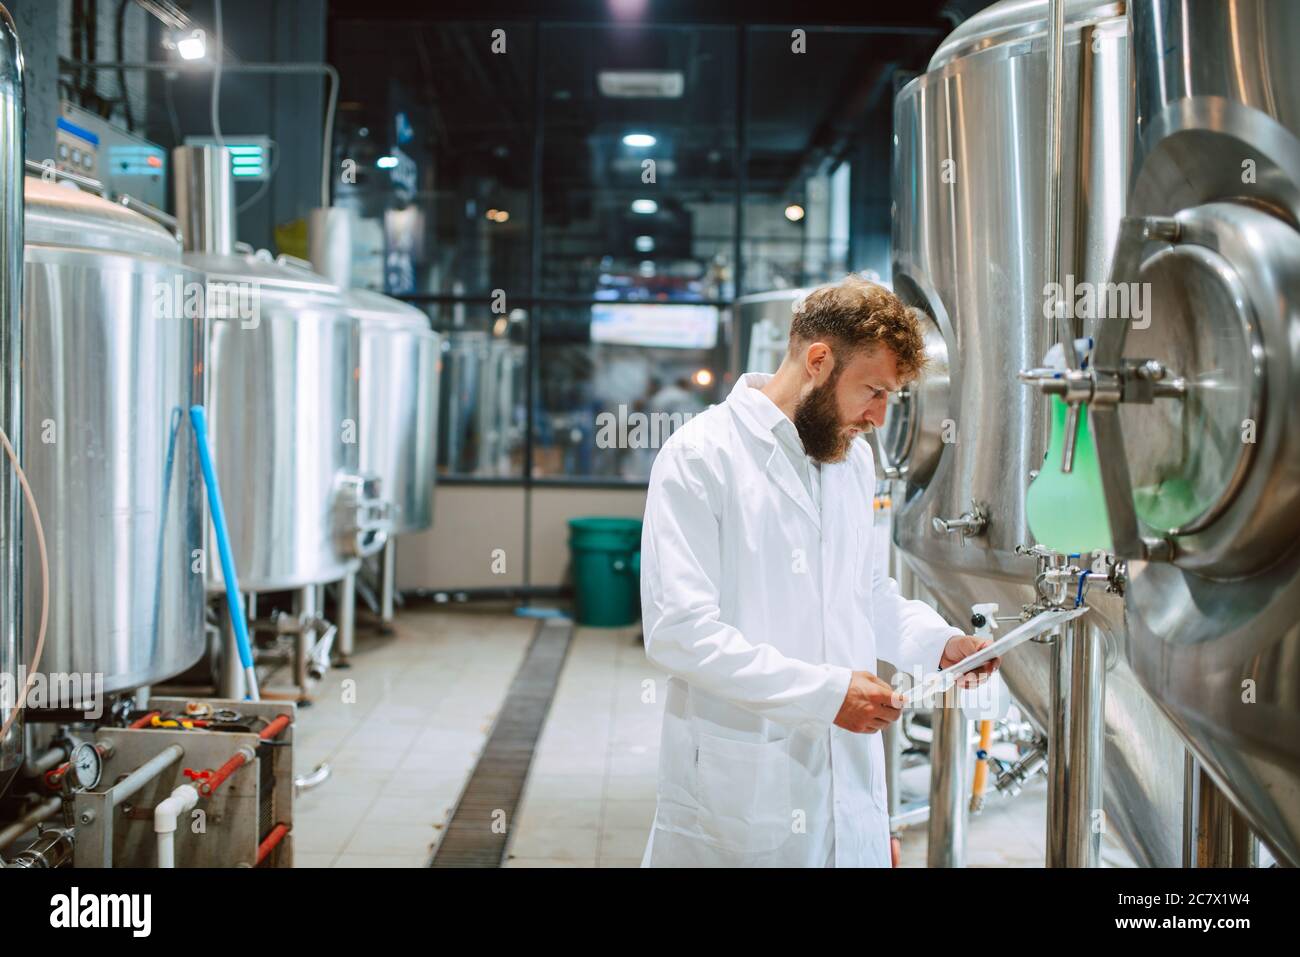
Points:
(284, 414)
(1210, 486)
(12, 151)
(400, 362)
(969, 197)
(282, 395)
(481, 412)
(112, 364)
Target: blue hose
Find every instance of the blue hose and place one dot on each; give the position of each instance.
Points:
(199, 419)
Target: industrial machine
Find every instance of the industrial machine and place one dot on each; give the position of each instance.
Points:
(972, 205)
(112, 334)
(1199, 454)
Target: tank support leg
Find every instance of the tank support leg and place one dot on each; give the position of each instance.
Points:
(949, 744)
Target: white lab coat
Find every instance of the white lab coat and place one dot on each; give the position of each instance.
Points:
(759, 608)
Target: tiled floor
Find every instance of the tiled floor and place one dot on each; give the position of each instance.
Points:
(590, 794)
(424, 704)
(402, 729)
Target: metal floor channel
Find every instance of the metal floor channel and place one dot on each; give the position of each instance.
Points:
(479, 829)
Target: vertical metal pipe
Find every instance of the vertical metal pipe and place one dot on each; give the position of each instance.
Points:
(230, 680)
(1190, 792)
(1058, 751)
(1085, 816)
(1052, 196)
(949, 742)
(347, 614)
(205, 198)
(1222, 837)
(12, 150)
(305, 637)
(387, 580)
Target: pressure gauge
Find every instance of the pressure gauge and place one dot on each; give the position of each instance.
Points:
(87, 766)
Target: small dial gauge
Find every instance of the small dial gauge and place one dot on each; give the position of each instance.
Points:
(87, 766)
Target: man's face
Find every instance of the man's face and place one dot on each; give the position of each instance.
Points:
(843, 401)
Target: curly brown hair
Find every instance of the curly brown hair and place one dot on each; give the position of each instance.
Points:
(854, 314)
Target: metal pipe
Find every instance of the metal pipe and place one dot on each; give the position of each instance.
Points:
(1085, 815)
(347, 615)
(52, 849)
(48, 171)
(12, 152)
(1221, 837)
(271, 841)
(1052, 200)
(145, 773)
(205, 198)
(230, 681)
(1058, 752)
(236, 761)
(304, 638)
(41, 812)
(946, 842)
(388, 581)
(149, 211)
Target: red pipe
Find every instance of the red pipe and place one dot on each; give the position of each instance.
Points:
(239, 760)
(139, 723)
(274, 728)
(272, 841)
(221, 773)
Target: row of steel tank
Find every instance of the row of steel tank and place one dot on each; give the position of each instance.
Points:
(321, 407)
(1179, 172)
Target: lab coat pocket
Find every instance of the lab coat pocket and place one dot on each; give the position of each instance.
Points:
(744, 791)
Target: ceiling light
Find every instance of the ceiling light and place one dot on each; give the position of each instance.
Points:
(703, 377)
(645, 206)
(192, 47)
(645, 244)
(639, 140)
(794, 212)
(386, 162)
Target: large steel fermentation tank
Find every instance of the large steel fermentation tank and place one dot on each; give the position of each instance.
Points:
(283, 397)
(112, 364)
(400, 362)
(284, 413)
(1204, 504)
(969, 189)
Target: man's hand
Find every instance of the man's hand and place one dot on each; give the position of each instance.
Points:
(963, 646)
(869, 705)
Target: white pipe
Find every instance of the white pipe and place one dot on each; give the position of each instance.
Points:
(165, 816)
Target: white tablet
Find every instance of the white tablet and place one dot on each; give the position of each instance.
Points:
(941, 681)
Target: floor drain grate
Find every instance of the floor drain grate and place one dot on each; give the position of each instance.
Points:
(494, 789)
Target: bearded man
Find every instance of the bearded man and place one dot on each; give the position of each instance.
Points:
(763, 599)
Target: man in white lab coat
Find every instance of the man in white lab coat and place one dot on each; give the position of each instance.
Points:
(763, 601)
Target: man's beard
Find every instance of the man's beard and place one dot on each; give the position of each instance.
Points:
(817, 418)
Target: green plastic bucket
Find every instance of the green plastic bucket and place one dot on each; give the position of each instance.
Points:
(606, 555)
